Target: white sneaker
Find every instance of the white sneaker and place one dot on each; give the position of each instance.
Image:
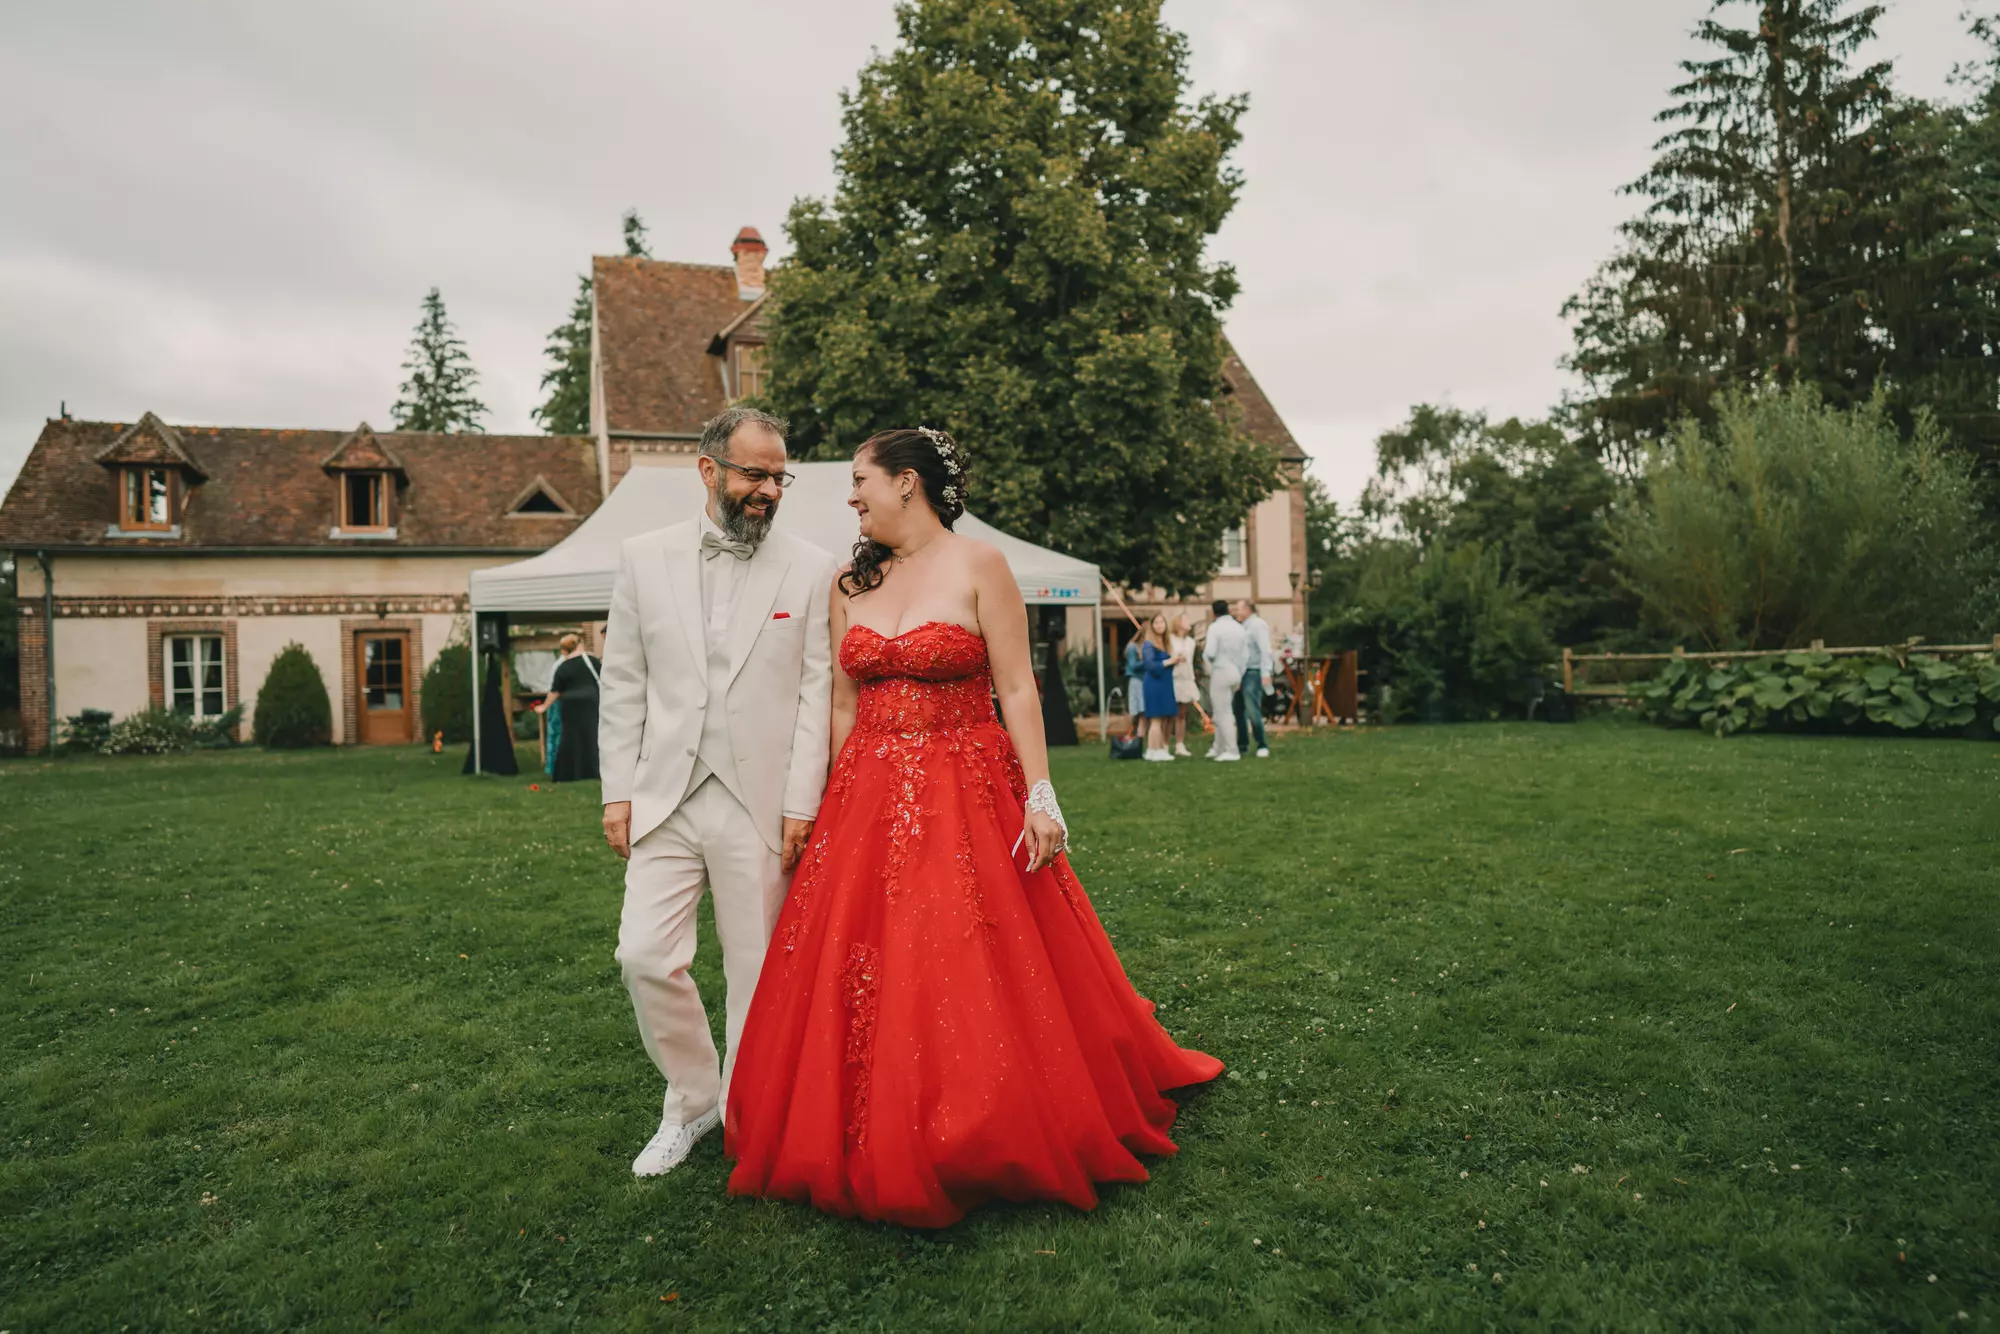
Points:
(1263, 752)
(1180, 749)
(1160, 756)
(670, 1145)
(1223, 759)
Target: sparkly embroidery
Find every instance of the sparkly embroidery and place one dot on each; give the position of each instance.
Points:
(968, 879)
(858, 983)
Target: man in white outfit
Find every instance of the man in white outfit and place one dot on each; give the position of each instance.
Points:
(1226, 652)
(712, 738)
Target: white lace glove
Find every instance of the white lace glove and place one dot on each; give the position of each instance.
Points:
(1042, 799)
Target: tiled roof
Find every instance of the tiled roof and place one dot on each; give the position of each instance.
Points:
(271, 489)
(149, 440)
(1261, 421)
(654, 323)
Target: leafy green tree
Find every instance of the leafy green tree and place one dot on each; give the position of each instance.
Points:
(637, 245)
(438, 394)
(293, 710)
(1446, 629)
(1527, 491)
(1777, 197)
(1015, 252)
(1792, 520)
(566, 409)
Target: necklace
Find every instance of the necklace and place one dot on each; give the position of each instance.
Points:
(907, 554)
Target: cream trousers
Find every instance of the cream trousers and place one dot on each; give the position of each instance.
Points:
(1222, 711)
(709, 842)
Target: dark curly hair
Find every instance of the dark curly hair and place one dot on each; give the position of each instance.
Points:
(940, 467)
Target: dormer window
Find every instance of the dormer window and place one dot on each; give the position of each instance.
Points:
(147, 499)
(749, 369)
(364, 502)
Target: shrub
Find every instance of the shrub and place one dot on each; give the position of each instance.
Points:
(1446, 629)
(292, 707)
(1792, 521)
(86, 731)
(1818, 692)
(154, 731)
(1079, 672)
(217, 733)
(447, 695)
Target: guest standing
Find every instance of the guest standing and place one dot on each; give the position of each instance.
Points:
(1226, 652)
(1261, 670)
(575, 687)
(1157, 657)
(1181, 641)
(1135, 685)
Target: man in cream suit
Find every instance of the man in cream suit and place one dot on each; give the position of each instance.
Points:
(712, 737)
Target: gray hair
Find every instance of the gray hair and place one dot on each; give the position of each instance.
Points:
(715, 433)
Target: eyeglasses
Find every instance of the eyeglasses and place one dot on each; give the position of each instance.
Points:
(757, 476)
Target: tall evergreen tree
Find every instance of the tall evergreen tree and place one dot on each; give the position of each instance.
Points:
(566, 409)
(438, 394)
(1764, 207)
(637, 246)
(1015, 251)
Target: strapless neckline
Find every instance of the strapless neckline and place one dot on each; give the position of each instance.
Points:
(920, 625)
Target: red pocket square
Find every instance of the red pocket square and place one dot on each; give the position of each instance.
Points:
(781, 616)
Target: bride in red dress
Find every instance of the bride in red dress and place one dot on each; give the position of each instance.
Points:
(941, 1019)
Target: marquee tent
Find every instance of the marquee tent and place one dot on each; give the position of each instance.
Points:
(574, 577)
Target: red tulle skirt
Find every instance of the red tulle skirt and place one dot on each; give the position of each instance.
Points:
(934, 1027)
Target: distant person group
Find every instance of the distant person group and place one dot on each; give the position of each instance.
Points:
(1160, 682)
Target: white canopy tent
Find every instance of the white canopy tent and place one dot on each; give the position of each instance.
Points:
(574, 577)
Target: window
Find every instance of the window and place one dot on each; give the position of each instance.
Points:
(146, 501)
(1235, 555)
(539, 501)
(749, 369)
(364, 500)
(194, 675)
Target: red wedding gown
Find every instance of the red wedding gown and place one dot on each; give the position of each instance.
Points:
(934, 1027)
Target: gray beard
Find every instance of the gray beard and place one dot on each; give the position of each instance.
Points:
(738, 524)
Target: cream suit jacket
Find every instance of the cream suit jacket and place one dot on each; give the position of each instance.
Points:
(655, 688)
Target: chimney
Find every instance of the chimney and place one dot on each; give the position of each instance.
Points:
(749, 251)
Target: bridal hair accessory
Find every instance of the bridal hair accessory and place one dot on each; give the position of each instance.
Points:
(947, 449)
(1042, 798)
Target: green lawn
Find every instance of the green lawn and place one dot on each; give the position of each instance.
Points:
(1596, 1027)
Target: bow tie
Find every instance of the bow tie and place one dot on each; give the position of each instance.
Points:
(712, 544)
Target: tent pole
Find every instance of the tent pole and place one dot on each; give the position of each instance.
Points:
(1103, 705)
(478, 760)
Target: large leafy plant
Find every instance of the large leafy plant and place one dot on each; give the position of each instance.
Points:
(1812, 691)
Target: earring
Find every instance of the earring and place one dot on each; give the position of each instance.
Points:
(906, 500)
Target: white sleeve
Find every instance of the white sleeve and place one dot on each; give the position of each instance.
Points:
(806, 783)
(621, 700)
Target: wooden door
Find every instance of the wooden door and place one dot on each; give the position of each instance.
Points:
(382, 676)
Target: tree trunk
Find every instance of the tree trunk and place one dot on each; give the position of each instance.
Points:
(1773, 33)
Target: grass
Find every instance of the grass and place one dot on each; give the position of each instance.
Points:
(1528, 1027)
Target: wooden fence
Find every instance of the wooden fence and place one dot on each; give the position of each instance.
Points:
(1577, 666)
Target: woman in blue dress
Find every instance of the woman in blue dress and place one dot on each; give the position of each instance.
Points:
(1158, 660)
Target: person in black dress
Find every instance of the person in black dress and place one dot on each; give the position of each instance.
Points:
(575, 686)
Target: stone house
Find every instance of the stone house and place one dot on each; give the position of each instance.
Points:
(174, 561)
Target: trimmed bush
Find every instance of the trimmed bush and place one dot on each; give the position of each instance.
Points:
(447, 697)
(153, 731)
(1807, 691)
(293, 710)
(86, 731)
(217, 733)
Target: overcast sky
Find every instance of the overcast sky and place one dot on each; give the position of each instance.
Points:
(227, 213)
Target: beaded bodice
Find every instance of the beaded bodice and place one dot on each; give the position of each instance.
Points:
(932, 677)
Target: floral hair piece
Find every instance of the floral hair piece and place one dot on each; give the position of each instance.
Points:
(947, 449)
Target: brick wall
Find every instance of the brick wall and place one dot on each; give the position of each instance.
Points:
(34, 677)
